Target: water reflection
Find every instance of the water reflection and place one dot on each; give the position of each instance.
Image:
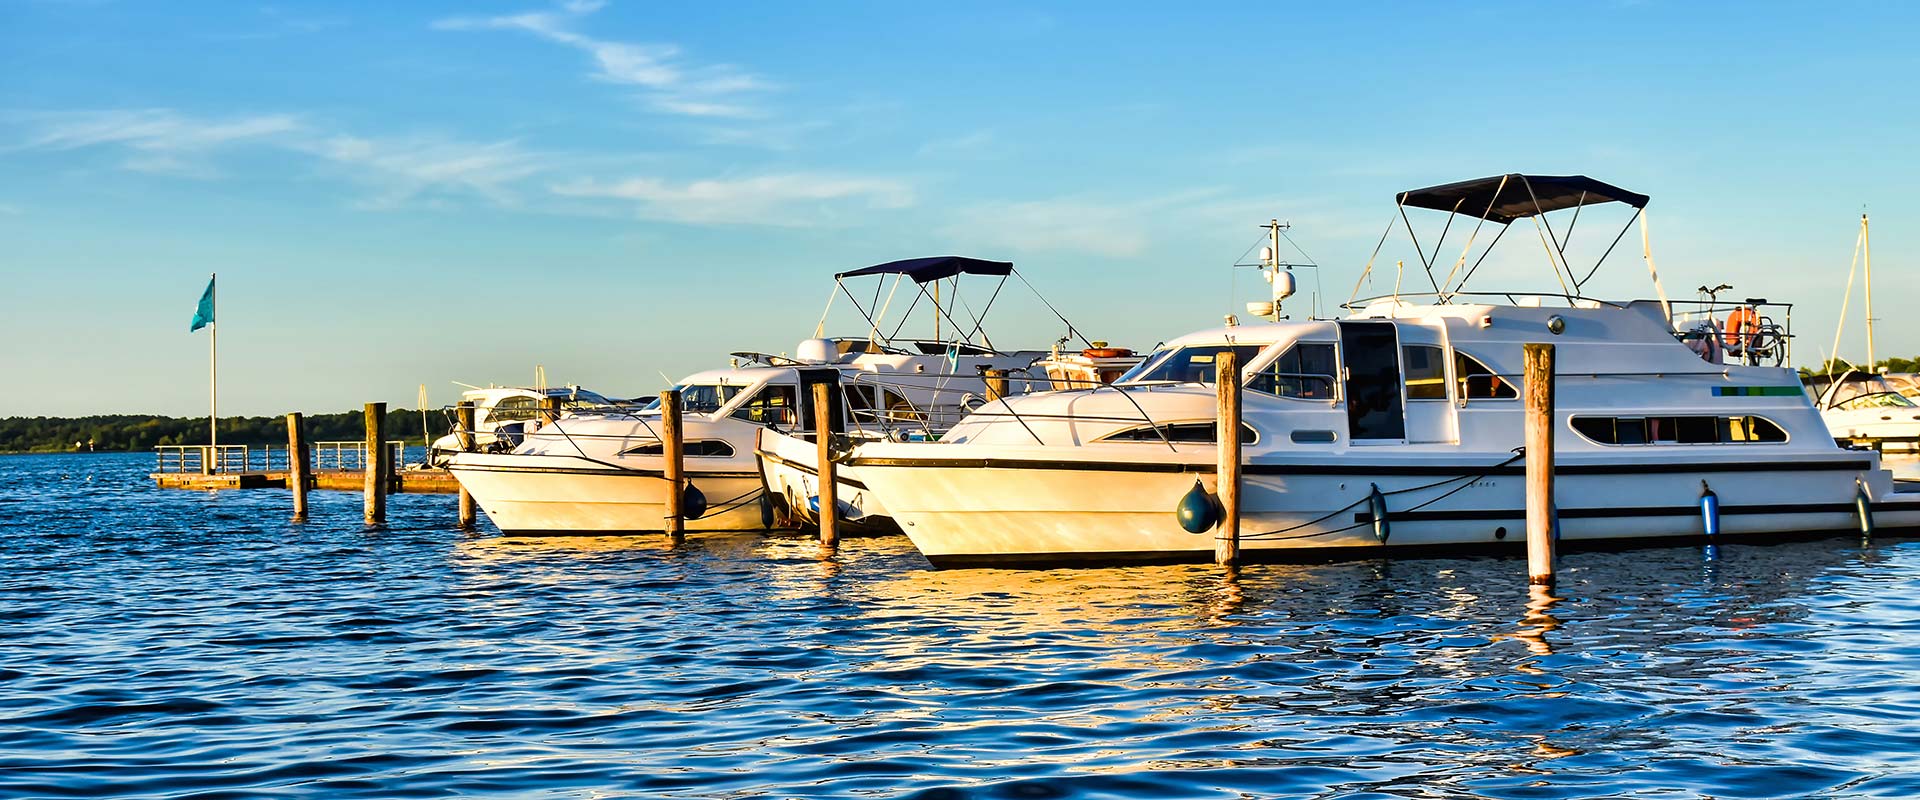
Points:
(195, 644)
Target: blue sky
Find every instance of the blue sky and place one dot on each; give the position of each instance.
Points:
(406, 193)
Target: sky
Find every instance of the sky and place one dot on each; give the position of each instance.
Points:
(397, 194)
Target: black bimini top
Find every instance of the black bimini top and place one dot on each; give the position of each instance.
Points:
(1522, 196)
(924, 270)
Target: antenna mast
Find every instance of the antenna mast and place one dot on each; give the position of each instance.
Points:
(1866, 248)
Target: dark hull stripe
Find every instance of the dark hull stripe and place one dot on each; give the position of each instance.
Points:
(1335, 468)
(624, 473)
(1689, 512)
(1511, 546)
(808, 470)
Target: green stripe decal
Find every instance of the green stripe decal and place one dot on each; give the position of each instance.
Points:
(1756, 391)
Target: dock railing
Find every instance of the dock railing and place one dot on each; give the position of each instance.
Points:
(242, 458)
(226, 458)
(350, 456)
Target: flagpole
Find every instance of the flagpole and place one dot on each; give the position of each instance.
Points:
(213, 373)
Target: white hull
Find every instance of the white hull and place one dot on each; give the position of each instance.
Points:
(563, 494)
(789, 469)
(1037, 513)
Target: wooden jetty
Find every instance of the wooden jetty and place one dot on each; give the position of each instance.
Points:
(337, 466)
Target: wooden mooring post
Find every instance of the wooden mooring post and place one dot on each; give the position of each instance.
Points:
(298, 467)
(829, 515)
(673, 452)
(377, 464)
(1538, 372)
(996, 381)
(463, 414)
(1226, 542)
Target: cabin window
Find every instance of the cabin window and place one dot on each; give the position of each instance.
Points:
(1191, 364)
(1426, 369)
(1477, 382)
(1679, 430)
(1305, 372)
(772, 406)
(699, 448)
(1180, 433)
(898, 407)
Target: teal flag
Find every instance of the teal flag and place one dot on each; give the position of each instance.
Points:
(203, 316)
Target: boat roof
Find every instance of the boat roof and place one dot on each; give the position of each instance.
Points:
(1505, 198)
(925, 270)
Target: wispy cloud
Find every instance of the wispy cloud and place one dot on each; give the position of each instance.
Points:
(1111, 228)
(792, 200)
(153, 130)
(405, 168)
(674, 84)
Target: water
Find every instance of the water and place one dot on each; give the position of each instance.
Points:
(181, 644)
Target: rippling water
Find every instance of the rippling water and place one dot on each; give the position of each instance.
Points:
(198, 645)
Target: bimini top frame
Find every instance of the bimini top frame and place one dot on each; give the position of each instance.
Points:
(1505, 199)
(929, 275)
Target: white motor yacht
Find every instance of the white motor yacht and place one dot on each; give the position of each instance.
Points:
(1861, 407)
(1398, 428)
(604, 473)
(501, 413)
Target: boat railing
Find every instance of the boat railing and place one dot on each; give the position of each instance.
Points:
(1766, 337)
(1511, 298)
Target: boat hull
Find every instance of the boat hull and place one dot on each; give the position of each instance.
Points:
(789, 469)
(563, 494)
(1032, 513)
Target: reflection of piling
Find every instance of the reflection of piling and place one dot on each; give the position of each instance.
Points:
(829, 513)
(297, 465)
(378, 464)
(996, 381)
(1226, 543)
(672, 451)
(1539, 431)
(463, 414)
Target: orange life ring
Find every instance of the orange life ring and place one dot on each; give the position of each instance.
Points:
(1742, 326)
(1106, 352)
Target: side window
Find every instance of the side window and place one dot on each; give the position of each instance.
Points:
(513, 408)
(1477, 382)
(1180, 433)
(898, 407)
(1679, 430)
(772, 406)
(1426, 371)
(698, 448)
(1305, 371)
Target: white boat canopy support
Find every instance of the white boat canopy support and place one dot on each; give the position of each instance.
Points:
(1505, 199)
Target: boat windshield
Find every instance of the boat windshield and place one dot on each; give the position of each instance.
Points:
(1191, 364)
(703, 398)
(1869, 393)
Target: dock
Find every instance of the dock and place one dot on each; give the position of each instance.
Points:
(337, 466)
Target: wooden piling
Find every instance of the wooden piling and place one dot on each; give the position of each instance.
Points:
(554, 406)
(673, 452)
(829, 516)
(376, 464)
(1538, 374)
(1226, 543)
(463, 413)
(298, 467)
(996, 380)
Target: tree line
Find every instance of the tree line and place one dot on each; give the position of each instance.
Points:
(1839, 365)
(137, 432)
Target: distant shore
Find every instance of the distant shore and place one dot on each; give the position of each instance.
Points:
(133, 433)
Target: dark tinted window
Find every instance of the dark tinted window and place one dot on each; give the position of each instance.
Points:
(1193, 364)
(1679, 430)
(1180, 433)
(703, 448)
(1426, 371)
(772, 406)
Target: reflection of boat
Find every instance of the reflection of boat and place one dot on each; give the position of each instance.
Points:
(604, 472)
(1396, 427)
(501, 413)
(1856, 405)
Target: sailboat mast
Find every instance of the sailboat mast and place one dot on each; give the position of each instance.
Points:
(1866, 248)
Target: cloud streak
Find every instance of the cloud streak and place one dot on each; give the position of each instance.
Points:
(786, 200)
(673, 84)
